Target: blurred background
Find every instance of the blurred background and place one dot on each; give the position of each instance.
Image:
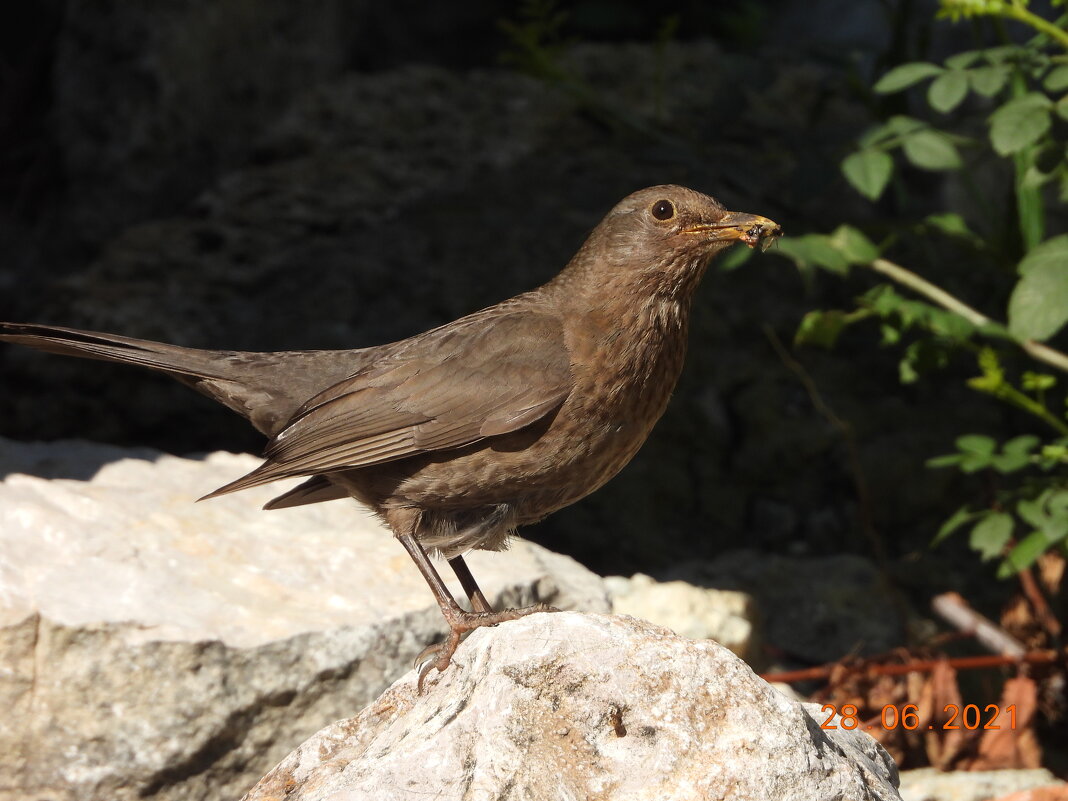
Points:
(278, 175)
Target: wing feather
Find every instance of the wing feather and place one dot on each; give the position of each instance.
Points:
(445, 389)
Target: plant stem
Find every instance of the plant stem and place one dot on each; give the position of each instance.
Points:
(1036, 350)
(1021, 14)
(930, 291)
(1030, 214)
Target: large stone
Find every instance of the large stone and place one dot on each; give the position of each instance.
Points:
(930, 784)
(152, 100)
(156, 647)
(815, 609)
(572, 706)
(730, 618)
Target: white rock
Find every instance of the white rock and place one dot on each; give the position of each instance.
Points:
(153, 646)
(571, 706)
(930, 784)
(726, 616)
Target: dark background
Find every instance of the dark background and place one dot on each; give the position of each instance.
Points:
(286, 175)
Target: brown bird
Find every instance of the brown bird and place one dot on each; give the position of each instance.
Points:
(456, 436)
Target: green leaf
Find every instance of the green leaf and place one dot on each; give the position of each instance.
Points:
(1019, 123)
(1036, 382)
(949, 460)
(1024, 554)
(1058, 507)
(1038, 306)
(821, 328)
(931, 150)
(977, 452)
(947, 90)
(921, 356)
(1033, 511)
(1010, 461)
(906, 370)
(888, 304)
(854, 245)
(814, 250)
(906, 75)
(955, 521)
(991, 535)
(898, 125)
(951, 224)
(988, 81)
(959, 61)
(1057, 79)
(1025, 443)
(868, 171)
(1054, 454)
(1002, 54)
(1033, 178)
(976, 443)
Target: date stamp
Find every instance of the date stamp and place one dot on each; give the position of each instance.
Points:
(908, 717)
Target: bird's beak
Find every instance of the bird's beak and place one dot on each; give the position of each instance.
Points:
(752, 229)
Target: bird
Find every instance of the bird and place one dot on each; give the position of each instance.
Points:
(457, 436)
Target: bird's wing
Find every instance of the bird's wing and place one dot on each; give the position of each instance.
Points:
(483, 376)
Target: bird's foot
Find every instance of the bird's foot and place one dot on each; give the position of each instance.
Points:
(439, 655)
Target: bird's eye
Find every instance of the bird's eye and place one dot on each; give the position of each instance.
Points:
(663, 210)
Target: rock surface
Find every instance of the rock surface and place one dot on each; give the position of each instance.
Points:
(700, 613)
(572, 706)
(816, 609)
(155, 647)
(929, 784)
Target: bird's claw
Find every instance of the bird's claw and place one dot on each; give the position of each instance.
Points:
(439, 655)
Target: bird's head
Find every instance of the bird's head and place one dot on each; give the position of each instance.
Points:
(662, 238)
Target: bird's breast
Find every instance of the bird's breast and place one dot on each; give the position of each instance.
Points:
(623, 375)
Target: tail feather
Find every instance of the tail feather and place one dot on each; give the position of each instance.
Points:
(112, 348)
(316, 489)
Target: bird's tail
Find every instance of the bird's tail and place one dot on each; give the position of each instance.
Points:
(113, 348)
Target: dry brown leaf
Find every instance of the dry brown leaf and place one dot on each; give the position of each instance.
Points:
(1051, 571)
(943, 746)
(1012, 747)
(1018, 618)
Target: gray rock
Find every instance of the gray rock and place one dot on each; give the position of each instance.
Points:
(186, 87)
(154, 100)
(574, 706)
(930, 784)
(699, 613)
(156, 647)
(815, 608)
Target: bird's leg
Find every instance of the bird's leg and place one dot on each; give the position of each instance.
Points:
(459, 621)
(467, 581)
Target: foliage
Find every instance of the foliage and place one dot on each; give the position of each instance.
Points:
(1003, 106)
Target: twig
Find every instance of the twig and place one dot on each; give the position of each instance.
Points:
(922, 286)
(917, 666)
(955, 610)
(1038, 603)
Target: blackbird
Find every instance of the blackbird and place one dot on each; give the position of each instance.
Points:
(456, 436)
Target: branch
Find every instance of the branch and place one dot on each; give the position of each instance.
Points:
(953, 608)
(1036, 350)
(916, 666)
